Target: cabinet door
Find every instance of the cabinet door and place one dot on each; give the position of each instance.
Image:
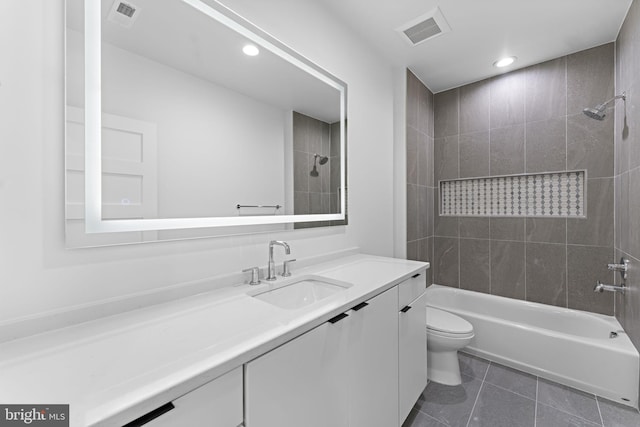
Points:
(373, 362)
(301, 383)
(412, 326)
(217, 403)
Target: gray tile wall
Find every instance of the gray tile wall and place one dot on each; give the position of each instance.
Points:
(529, 120)
(420, 184)
(627, 169)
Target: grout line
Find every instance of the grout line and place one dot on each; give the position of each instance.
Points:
(599, 411)
(478, 395)
(535, 409)
(566, 167)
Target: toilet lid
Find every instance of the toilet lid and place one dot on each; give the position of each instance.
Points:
(443, 321)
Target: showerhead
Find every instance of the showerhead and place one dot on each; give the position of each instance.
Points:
(598, 112)
(323, 159)
(595, 113)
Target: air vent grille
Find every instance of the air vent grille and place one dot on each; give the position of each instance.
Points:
(424, 27)
(123, 14)
(423, 31)
(126, 9)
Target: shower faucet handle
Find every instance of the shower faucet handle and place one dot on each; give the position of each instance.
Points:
(286, 270)
(622, 267)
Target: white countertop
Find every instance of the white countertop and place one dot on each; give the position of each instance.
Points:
(114, 369)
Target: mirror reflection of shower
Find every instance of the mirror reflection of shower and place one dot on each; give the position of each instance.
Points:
(323, 160)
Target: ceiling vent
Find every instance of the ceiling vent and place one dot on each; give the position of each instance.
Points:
(424, 27)
(123, 13)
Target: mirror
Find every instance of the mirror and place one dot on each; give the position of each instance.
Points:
(173, 131)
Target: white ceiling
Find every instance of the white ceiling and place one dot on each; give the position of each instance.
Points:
(482, 31)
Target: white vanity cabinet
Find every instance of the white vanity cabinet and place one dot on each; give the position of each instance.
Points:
(215, 404)
(342, 373)
(373, 362)
(412, 335)
(301, 383)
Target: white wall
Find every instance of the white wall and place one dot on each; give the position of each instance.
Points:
(37, 274)
(209, 160)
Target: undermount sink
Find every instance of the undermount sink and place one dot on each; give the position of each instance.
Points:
(301, 292)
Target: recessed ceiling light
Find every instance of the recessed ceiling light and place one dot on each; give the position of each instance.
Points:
(504, 61)
(250, 50)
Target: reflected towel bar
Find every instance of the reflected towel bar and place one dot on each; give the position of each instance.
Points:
(238, 206)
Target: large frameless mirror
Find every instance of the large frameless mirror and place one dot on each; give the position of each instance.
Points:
(185, 120)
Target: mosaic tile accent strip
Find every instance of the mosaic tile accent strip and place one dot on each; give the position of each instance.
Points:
(553, 194)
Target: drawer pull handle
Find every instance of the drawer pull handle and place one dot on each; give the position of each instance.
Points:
(415, 275)
(150, 416)
(405, 308)
(338, 318)
(360, 306)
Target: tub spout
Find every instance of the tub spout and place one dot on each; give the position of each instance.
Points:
(601, 287)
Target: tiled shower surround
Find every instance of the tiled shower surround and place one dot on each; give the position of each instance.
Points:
(525, 121)
(627, 169)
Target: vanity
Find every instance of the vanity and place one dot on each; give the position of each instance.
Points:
(355, 356)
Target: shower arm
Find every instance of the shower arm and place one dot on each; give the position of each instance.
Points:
(622, 96)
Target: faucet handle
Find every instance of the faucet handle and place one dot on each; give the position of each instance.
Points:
(255, 275)
(286, 271)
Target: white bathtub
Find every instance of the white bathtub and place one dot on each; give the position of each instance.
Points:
(567, 346)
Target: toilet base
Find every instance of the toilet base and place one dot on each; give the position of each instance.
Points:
(443, 367)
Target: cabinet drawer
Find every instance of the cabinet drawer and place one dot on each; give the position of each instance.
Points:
(412, 288)
(217, 403)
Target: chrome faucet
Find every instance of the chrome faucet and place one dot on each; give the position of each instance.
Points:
(271, 270)
(601, 287)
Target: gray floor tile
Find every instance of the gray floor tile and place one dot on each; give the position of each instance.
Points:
(512, 380)
(420, 419)
(450, 405)
(616, 415)
(473, 366)
(546, 416)
(568, 400)
(497, 407)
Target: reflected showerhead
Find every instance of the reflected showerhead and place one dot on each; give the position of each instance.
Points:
(323, 159)
(598, 113)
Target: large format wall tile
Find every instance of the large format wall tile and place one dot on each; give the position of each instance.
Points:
(634, 213)
(474, 228)
(445, 150)
(474, 154)
(597, 228)
(507, 150)
(474, 114)
(475, 265)
(546, 273)
(590, 145)
(590, 78)
(585, 266)
(412, 156)
(546, 90)
(507, 229)
(546, 145)
(546, 230)
(446, 113)
(507, 269)
(445, 261)
(507, 99)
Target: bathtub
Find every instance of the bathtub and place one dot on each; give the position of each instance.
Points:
(567, 346)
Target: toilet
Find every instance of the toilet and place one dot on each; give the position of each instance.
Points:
(446, 334)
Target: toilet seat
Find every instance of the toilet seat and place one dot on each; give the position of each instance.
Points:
(444, 323)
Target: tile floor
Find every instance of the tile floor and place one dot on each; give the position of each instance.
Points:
(492, 395)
